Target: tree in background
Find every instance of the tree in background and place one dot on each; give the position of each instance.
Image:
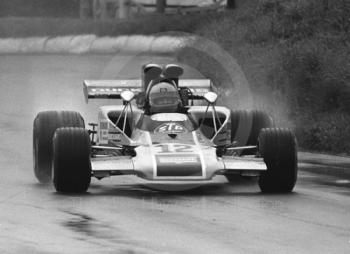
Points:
(231, 4)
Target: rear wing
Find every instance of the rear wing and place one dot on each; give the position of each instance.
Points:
(112, 89)
(198, 87)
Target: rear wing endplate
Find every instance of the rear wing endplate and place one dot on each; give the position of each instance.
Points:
(112, 89)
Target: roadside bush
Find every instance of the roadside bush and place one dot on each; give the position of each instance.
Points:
(328, 132)
(318, 77)
(296, 57)
(305, 18)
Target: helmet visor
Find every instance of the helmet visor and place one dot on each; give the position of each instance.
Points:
(163, 101)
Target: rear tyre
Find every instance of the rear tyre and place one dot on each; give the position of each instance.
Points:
(44, 127)
(71, 160)
(246, 126)
(241, 121)
(261, 120)
(279, 149)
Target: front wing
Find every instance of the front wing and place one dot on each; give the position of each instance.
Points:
(124, 165)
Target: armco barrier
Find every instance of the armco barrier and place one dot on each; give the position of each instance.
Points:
(81, 44)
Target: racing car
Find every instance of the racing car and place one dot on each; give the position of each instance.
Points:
(164, 129)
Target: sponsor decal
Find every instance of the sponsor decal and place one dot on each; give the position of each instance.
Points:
(178, 160)
(103, 132)
(103, 125)
(178, 165)
(199, 91)
(163, 90)
(170, 128)
(107, 90)
(103, 137)
(169, 117)
(114, 136)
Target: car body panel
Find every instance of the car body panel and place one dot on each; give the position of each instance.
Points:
(189, 156)
(166, 146)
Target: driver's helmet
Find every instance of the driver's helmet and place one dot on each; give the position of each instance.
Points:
(163, 98)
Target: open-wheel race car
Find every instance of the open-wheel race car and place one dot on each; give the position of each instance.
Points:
(161, 133)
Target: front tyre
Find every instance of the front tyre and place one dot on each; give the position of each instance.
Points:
(44, 127)
(278, 147)
(71, 160)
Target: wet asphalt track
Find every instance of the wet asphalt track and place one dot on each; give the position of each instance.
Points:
(121, 215)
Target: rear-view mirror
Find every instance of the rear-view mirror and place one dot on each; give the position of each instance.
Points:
(210, 97)
(127, 96)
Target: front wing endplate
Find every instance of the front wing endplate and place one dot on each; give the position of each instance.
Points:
(244, 163)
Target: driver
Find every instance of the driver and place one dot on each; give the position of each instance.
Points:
(163, 97)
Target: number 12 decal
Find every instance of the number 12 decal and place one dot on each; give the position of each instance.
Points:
(173, 148)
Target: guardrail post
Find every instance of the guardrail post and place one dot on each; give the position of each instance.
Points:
(122, 10)
(85, 9)
(231, 4)
(99, 9)
(161, 4)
